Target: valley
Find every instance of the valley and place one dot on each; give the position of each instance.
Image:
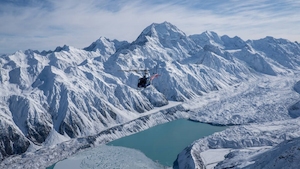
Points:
(58, 103)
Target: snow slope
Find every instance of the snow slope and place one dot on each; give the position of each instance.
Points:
(284, 155)
(53, 98)
(250, 146)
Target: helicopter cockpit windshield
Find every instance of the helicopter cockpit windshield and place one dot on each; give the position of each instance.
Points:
(143, 82)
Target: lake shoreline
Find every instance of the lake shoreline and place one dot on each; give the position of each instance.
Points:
(162, 143)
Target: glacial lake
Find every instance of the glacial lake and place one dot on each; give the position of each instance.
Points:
(162, 143)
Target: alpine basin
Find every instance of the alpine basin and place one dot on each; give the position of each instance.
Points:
(162, 143)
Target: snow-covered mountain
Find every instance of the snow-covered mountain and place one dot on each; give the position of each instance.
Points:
(75, 93)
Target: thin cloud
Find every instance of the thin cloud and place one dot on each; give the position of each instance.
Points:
(79, 23)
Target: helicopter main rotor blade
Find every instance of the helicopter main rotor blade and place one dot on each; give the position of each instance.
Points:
(134, 70)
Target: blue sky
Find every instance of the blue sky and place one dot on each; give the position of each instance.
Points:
(46, 24)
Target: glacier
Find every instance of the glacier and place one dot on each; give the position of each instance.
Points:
(56, 103)
(101, 157)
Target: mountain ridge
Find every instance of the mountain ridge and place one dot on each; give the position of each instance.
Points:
(77, 91)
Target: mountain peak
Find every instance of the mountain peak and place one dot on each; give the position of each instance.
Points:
(207, 38)
(161, 31)
(164, 30)
(100, 43)
(105, 46)
(64, 48)
(271, 39)
(212, 37)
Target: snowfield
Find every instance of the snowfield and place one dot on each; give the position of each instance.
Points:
(109, 157)
(58, 103)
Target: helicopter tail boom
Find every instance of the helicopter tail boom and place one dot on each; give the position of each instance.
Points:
(154, 76)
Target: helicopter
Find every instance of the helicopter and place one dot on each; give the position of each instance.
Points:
(146, 80)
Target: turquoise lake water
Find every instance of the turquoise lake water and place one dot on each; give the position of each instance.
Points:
(162, 143)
